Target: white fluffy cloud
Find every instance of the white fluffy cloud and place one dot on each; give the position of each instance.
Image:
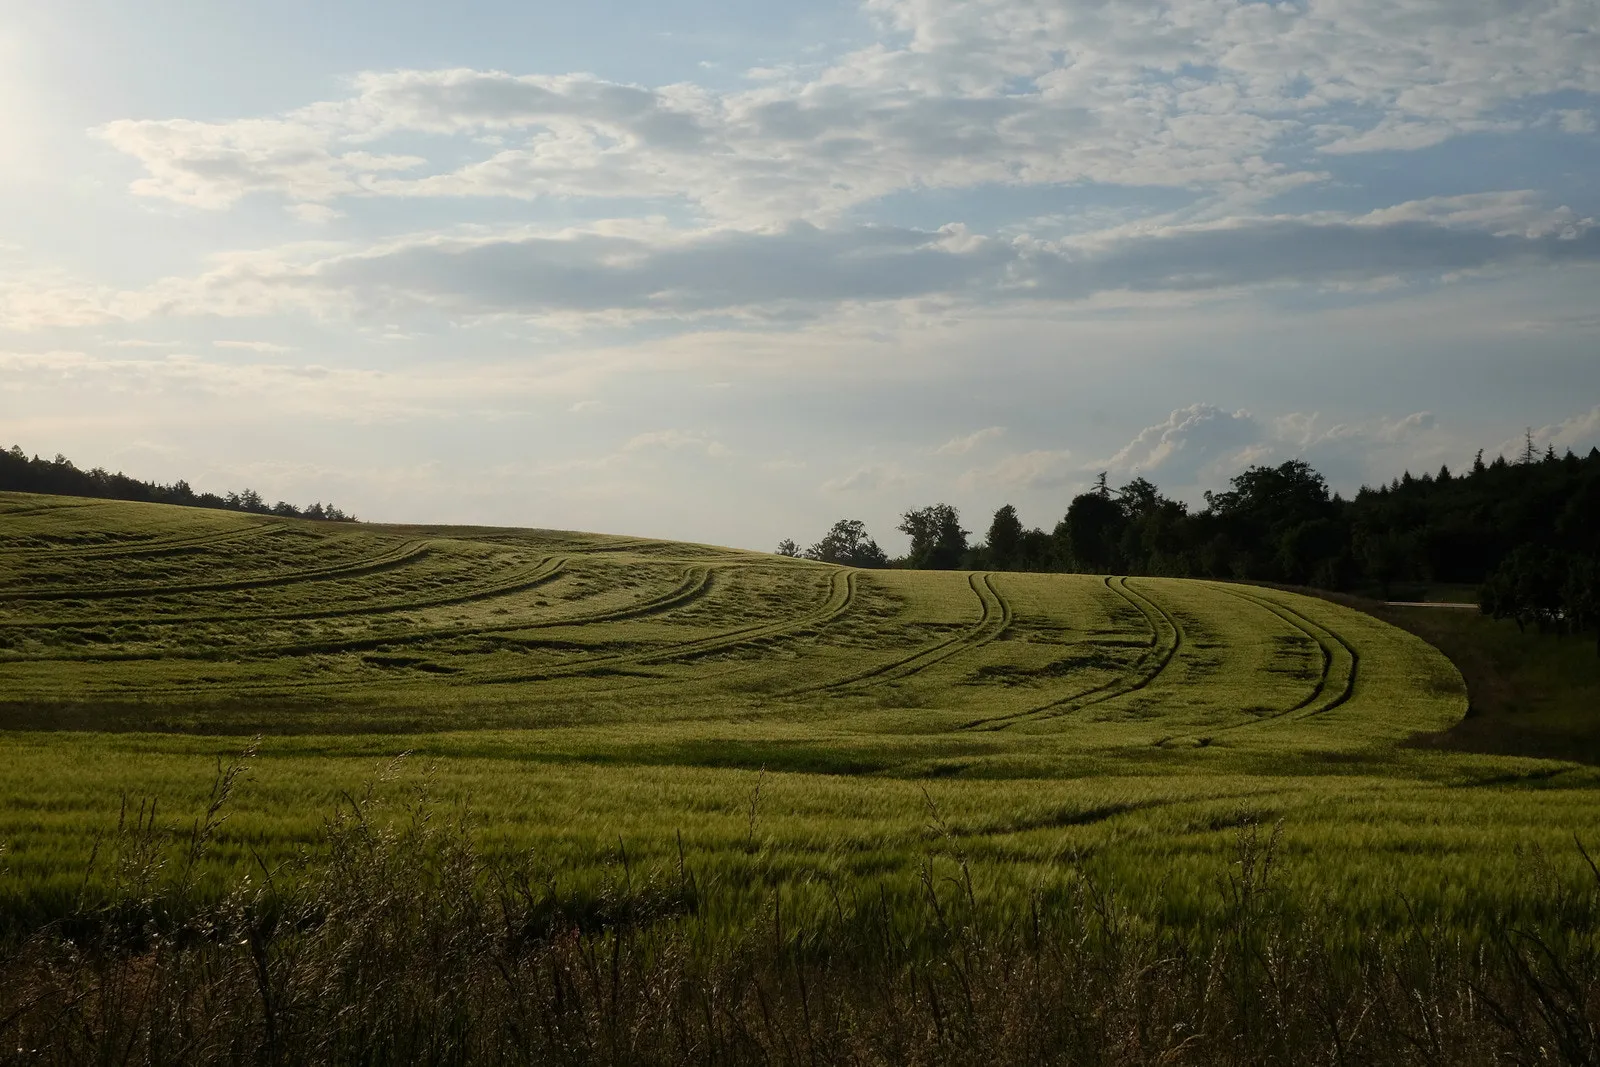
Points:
(1190, 441)
(559, 266)
(1201, 446)
(1578, 433)
(212, 165)
(1196, 94)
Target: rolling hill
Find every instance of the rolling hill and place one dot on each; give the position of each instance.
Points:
(574, 690)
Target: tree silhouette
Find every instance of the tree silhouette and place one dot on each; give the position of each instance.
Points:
(848, 543)
(1005, 538)
(937, 540)
(1092, 531)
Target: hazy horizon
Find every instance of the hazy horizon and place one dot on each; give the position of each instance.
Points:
(726, 274)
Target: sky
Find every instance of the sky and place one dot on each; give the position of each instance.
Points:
(729, 272)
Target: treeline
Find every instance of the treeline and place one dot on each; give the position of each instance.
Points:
(1526, 531)
(20, 474)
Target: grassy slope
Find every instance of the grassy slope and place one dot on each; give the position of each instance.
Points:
(796, 724)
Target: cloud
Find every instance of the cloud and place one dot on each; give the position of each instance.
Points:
(213, 165)
(1557, 322)
(776, 152)
(1190, 441)
(254, 346)
(634, 271)
(676, 440)
(347, 394)
(316, 214)
(1579, 433)
(1402, 429)
(1201, 446)
(1511, 213)
(45, 299)
(1039, 469)
(1388, 136)
(1573, 120)
(954, 94)
(960, 446)
(869, 479)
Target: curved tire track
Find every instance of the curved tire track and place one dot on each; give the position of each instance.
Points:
(147, 548)
(841, 595)
(1341, 663)
(1158, 656)
(403, 556)
(544, 571)
(995, 618)
(695, 584)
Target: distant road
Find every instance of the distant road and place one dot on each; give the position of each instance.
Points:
(1427, 604)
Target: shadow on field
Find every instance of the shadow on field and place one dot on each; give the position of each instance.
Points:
(1529, 694)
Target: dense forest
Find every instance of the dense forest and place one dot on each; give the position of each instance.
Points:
(20, 474)
(1526, 532)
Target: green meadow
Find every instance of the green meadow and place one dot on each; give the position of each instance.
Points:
(778, 725)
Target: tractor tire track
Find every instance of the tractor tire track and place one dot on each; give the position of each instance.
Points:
(1336, 683)
(995, 618)
(546, 570)
(1158, 655)
(841, 596)
(405, 555)
(173, 546)
(695, 584)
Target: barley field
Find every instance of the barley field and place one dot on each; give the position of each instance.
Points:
(275, 791)
(775, 722)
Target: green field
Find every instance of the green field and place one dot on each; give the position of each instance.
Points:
(772, 722)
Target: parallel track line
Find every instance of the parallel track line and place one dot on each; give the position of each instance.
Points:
(994, 619)
(1130, 682)
(399, 557)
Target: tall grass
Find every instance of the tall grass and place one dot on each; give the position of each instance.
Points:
(398, 941)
